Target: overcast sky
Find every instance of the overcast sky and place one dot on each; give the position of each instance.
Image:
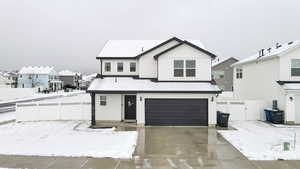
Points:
(69, 34)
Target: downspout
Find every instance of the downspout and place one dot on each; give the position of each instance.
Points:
(93, 109)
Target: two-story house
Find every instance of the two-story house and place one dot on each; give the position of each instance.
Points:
(272, 74)
(155, 83)
(39, 77)
(222, 72)
(70, 78)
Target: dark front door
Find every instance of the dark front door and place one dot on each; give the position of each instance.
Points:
(130, 107)
(176, 112)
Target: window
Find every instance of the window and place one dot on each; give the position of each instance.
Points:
(178, 68)
(36, 76)
(120, 67)
(107, 67)
(132, 67)
(218, 74)
(20, 76)
(29, 77)
(190, 68)
(295, 67)
(239, 73)
(102, 100)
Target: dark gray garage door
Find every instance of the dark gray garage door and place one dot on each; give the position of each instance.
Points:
(176, 112)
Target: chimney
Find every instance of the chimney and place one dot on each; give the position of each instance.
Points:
(278, 45)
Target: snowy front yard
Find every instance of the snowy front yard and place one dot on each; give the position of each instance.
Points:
(65, 139)
(260, 141)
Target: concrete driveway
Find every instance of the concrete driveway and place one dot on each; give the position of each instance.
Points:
(161, 147)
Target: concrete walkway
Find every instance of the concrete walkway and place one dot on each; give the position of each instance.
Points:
(161, 148)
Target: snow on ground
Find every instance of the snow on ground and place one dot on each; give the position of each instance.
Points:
(8, 116)
(71, 139)
(261, 141)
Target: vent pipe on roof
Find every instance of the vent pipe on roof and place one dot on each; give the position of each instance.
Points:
(269, 50)
(142, 49)
(261, 53)
(278, 45)
(290, 43)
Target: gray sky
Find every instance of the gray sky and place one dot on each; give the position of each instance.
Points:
(69, 34)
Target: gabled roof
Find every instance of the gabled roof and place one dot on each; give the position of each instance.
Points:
(38, 70)
(132, 49)
(128, 84)
(66, 73)
(218, 61)
(270, 53)
(189, 44)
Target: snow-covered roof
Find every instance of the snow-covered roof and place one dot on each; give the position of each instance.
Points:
(270, 52)
(218, 60)
(89, 77)
(128, 84)
(38, 70)
(67, 73)
(132, 48)
(291, 86)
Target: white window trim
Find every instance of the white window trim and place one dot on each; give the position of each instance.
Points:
(134, 66)
(105, 66)
(103, 100)
(184, 68)
(118, 66)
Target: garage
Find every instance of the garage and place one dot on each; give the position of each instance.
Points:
(176, 112)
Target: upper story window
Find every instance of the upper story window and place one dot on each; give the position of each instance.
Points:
(120, 67)
(239, 73)
(178, 68)
(132, 67)
(36, 76)
(190, 68)
(20, 76)
(295, 67)
(107, 67)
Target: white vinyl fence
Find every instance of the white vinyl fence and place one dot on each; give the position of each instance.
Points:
(242, 109)
(53, 111)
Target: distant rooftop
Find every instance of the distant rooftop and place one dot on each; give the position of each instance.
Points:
(38, 70)
(275, 50)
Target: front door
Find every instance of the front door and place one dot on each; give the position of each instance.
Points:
(130, 107)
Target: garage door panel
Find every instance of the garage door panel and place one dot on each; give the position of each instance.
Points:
(176, 112)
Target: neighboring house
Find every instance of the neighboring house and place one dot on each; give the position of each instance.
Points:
(39, 77)
(70, 78)
(222, 73)
(272, 74)
(155, 83)
(8, 79)
(86, 80)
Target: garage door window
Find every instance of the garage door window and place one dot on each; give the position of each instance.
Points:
(178, 68)
(102, 100)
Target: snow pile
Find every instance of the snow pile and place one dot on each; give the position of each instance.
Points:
(261, 141)
(62, 139)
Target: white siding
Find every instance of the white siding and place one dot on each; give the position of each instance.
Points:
(126, 67)
(148, 65)
(112, 111)
(285, 65)
(184, 52)
(259, 83)
(142, 96)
